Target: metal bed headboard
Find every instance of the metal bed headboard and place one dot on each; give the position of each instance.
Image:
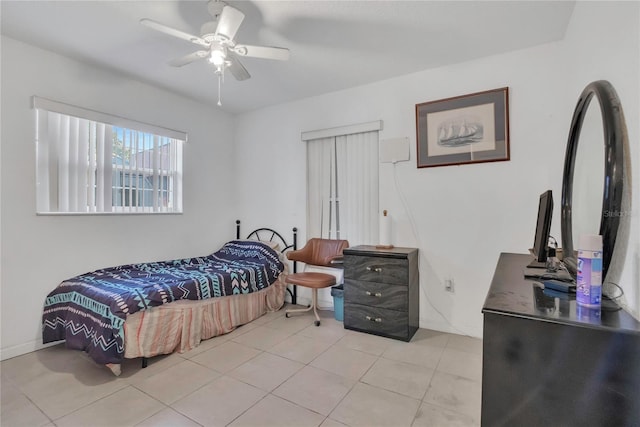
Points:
(264, 234)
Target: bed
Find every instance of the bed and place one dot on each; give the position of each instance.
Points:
(148, 309)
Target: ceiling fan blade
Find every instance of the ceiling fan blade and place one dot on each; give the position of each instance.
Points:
(187, 59)
(229, 22)
(173, 32)
(265, 52)
(236, 68)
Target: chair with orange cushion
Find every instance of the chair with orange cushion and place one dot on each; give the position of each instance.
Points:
(317, 252)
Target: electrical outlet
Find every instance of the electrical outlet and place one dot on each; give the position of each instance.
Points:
(448, 285)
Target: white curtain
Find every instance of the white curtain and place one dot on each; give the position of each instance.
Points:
(88, 161)
(66, 161)
(319, 191)
(357, 156)
(342, 187)
(81, 169)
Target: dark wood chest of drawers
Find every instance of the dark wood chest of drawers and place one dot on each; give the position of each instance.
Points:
(546, 361)
(381, 291)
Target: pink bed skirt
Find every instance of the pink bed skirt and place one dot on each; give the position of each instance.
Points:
(181, 325)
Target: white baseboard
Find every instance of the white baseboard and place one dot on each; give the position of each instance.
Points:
(20, 349)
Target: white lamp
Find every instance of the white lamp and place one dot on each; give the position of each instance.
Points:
(385, 231)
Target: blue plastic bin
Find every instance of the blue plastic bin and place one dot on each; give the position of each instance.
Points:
(337, 292)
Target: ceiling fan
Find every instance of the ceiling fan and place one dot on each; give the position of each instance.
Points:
(217, 42)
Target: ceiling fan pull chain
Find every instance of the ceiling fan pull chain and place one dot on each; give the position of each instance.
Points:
(219, 89)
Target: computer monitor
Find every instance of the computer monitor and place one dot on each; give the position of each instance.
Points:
(543, 227)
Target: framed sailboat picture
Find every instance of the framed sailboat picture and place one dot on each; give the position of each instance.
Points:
(464, 129)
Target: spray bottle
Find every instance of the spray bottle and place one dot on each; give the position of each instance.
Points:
(589, 278)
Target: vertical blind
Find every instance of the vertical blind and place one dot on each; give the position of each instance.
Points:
(90, 166)
(342, 187)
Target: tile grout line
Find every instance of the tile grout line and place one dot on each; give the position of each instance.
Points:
(102, 398)
(32, 402)
(335, 344)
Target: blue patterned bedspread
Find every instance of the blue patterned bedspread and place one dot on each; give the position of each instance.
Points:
(88, 311)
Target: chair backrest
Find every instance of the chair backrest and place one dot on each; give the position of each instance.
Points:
(319, 251)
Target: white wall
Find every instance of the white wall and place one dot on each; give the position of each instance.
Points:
(460, 217)
(40, 251)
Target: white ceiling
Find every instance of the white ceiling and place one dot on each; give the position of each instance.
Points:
(334, 44)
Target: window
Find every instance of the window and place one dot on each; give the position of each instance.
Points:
(342, 183)
(143, 176)
(90, 162)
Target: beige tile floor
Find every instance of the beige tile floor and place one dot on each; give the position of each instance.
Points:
(272, 372)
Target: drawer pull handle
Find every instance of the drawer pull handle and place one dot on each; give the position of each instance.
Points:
(376, 269)
(377, 294)
(377, 319)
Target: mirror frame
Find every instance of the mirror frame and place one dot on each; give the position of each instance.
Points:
(615, 146)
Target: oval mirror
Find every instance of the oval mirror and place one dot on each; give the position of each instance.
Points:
(595, 195)
(588, 173)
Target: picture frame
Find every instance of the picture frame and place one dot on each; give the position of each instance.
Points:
(464, 129)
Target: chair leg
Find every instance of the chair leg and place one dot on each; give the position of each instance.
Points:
(298, 310)
(314, 303)
(313, 306)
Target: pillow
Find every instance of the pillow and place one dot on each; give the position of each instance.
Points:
(273, 245)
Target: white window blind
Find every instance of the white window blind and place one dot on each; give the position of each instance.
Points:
(342, 187)
(91, 162)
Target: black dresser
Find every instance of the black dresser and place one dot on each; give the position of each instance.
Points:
(381, 291)
(549, 362)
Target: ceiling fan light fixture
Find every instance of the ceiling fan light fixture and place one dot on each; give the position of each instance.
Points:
(217, 57)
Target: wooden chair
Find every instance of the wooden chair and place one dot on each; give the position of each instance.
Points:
(317, 252)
